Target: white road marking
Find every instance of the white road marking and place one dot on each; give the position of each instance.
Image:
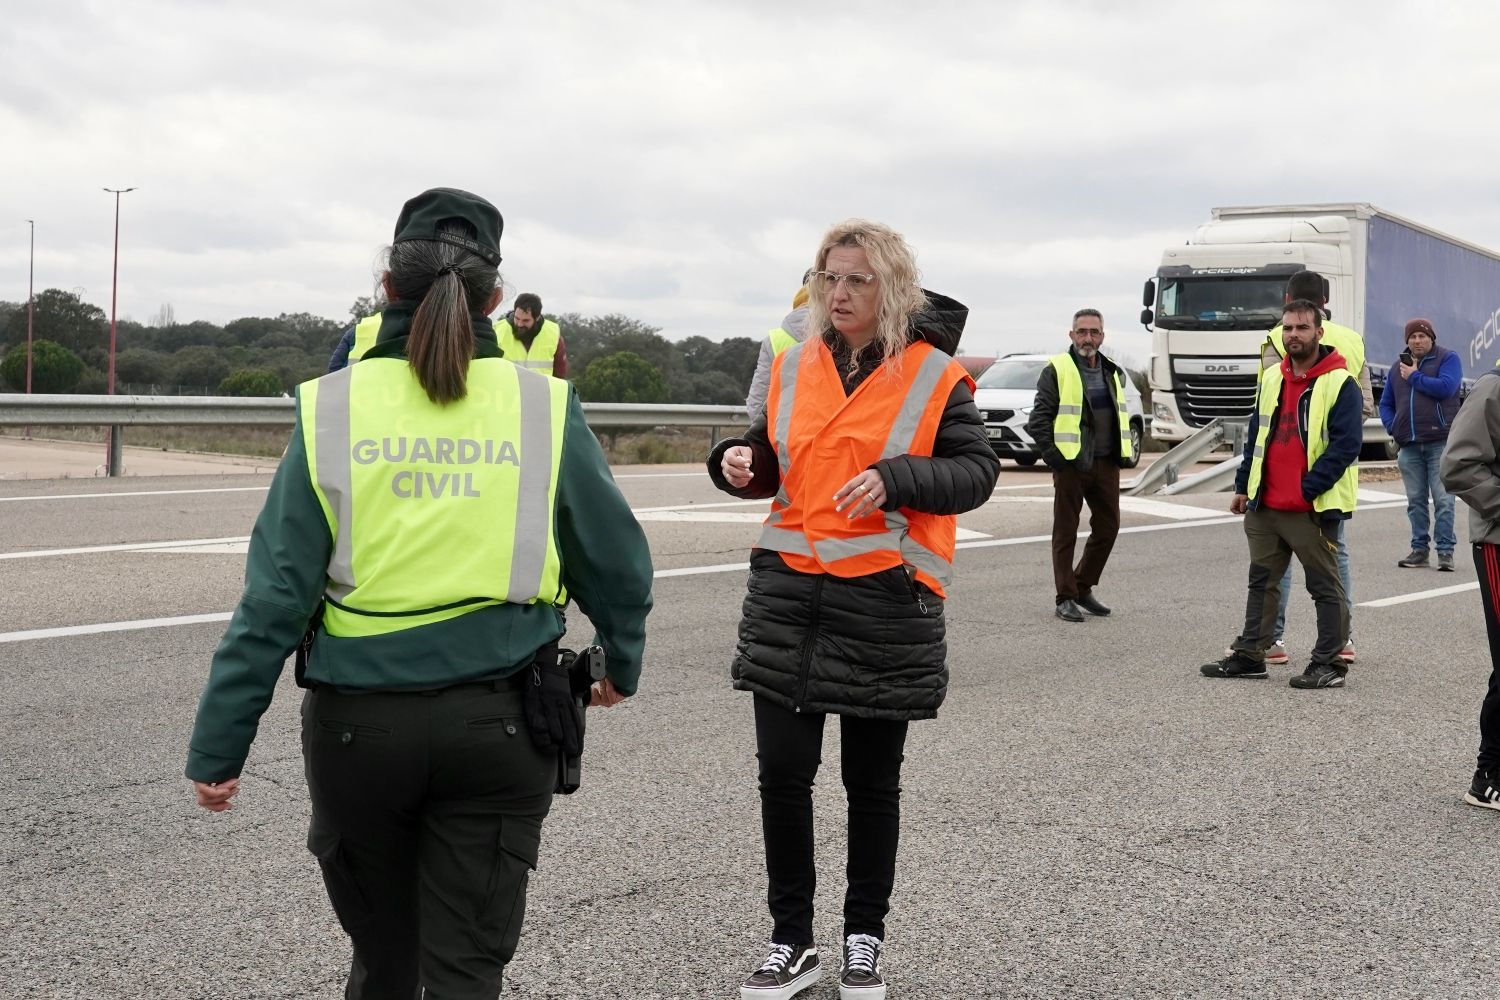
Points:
(1421, 595)
(71, 630)
(702, 516)
(187, 543)
(137, 493)
(690, 571)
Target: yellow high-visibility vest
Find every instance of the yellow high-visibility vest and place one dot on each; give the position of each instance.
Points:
(781, 340)
(435, 511)
(1343, 494)
(1067, 426)
(543, 346)
(365, 332)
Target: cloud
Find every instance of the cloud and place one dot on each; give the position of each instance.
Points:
(677, 162)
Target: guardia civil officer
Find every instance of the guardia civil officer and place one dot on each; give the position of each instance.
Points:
(437, 506)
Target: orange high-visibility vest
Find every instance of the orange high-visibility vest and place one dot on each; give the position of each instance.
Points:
(824, 438)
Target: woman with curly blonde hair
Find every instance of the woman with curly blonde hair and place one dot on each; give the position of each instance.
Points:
(869, 447)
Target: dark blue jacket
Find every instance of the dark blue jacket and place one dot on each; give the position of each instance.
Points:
(1422, 408)
(1346, 432)
(340, 359)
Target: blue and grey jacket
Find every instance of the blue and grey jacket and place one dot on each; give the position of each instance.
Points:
(1421, 409)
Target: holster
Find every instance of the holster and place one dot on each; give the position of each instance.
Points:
(304, 647)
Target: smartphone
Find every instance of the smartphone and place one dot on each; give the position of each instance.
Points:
(1406, 358)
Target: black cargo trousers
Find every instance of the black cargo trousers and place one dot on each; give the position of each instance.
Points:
(427, 812)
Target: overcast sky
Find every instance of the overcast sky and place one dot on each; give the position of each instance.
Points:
(677, 162)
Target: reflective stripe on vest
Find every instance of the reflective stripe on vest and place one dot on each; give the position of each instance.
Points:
(802, 524)
(434, 511)
(780, 340)
(1343, 494)
(365, 332)
(543, 350)
(1067, 426)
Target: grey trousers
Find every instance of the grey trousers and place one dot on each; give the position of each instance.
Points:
(1274, 537)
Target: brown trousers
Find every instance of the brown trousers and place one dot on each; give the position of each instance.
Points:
(1099, 487)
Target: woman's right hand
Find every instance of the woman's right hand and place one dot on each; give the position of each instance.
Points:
(736, 466)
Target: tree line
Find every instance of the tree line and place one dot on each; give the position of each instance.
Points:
(611, 358)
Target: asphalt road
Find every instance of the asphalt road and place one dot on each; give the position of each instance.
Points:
(1086, 818)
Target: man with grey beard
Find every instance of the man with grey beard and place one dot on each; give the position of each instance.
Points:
(1081, 428)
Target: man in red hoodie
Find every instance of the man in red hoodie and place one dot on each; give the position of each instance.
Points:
(1297, 481)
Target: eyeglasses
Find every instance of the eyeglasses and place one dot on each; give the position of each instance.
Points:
(858, 284)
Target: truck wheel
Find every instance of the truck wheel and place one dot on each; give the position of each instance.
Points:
(1137, 438)
(1380, 451)
(1026, 460)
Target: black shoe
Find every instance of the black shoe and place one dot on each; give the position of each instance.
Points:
(1417, 557)
(861, 979)
(1445, 562)
(1068, 611)
(1091, 604)
(788, 970)
(1235, 665)
(1484, 790)
(1320, 675)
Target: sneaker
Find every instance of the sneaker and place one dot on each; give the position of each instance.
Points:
(1276, 656)
(1234, 665)
(788, 970)
(1484, 790)
(1320, 675)
(1415, 558)
(1445, 562)
(861, 979)
(1346, 655)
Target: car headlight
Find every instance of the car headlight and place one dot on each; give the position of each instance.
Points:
(1025, 411)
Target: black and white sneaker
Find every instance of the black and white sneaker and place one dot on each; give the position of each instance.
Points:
(788, 970)
(1320, 675)
(861, 979)
(1484, 790)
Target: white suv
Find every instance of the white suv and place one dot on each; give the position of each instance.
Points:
(1007, 390)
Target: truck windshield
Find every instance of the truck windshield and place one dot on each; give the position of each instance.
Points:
(1220, 302)
(1005, 374)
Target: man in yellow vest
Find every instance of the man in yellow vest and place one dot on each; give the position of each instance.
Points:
(778, 340)
(1082, 430)
(1297, 483)
(1309, 285)
(531, 340)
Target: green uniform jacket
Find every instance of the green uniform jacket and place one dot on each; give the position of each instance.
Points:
(606, 567)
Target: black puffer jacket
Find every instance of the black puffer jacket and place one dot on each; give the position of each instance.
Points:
(871, 646)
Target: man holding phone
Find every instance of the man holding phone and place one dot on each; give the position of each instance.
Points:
(1417, 408)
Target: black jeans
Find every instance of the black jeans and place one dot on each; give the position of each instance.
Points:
(1487, 564)
(789, 746)
(427, 814)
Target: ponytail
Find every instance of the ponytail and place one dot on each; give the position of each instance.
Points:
(451, 284)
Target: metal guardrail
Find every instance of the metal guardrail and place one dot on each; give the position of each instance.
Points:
(39, 410)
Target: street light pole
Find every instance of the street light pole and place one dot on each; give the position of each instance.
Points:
(30, 285)
(112, 457)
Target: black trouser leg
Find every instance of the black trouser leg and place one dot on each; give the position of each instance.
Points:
(1487, 565)
(1315, 543)
(366, 844)
(427, 811)
(1067, 504)
(1101, 490)
(490, 790)
(1269, 557)
(871, 752)
(789, 747)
